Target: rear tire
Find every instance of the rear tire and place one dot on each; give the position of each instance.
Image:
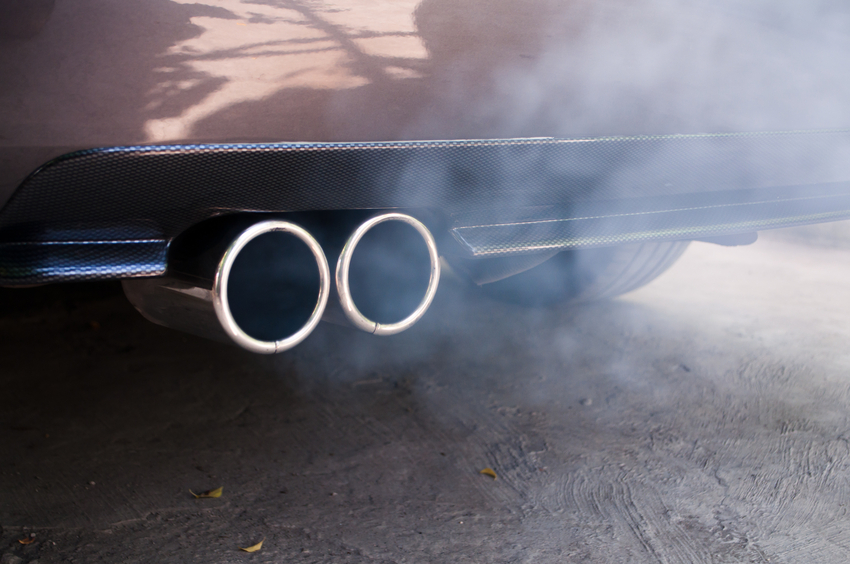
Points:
(588, 274)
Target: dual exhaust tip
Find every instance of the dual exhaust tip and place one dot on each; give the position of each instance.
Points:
(271, 285)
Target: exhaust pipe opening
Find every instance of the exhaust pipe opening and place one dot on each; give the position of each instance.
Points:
(265, 290)
(387, 274)
(265, 286)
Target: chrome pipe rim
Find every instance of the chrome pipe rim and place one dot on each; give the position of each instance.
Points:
(344, 263)
(222, 276)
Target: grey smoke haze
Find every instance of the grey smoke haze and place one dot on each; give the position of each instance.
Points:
(662, 66)
(647, 68)
(652, 67)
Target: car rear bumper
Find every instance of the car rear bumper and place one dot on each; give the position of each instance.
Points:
(112, 212)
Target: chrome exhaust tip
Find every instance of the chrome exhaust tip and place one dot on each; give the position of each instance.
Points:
(255, 290)
(221, 298)
(344, 266)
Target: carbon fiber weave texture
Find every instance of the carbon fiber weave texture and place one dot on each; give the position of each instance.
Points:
(172, 187)
(115, 199)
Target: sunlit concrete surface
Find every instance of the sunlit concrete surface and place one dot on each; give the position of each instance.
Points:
(703, 418)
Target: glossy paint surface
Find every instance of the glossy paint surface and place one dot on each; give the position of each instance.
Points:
(93, 73)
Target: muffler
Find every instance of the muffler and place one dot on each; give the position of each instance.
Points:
(387, 274)
(263, 287)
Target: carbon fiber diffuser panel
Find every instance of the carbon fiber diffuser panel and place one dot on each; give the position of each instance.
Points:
(176, 186)
(637, 222)
(40, 263)
(153, 193)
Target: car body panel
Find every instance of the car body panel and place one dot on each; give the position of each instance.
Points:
(154, 78)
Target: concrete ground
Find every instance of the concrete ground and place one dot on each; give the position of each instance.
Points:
(703, 418)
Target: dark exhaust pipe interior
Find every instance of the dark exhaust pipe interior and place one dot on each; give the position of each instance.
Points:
(269, 285)
(387, 273)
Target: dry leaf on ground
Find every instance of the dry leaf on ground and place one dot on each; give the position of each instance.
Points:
(489, 472)
(211, 493)
(254, 548)
(27, 540)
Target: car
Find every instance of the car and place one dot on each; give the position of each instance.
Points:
(249, 168)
